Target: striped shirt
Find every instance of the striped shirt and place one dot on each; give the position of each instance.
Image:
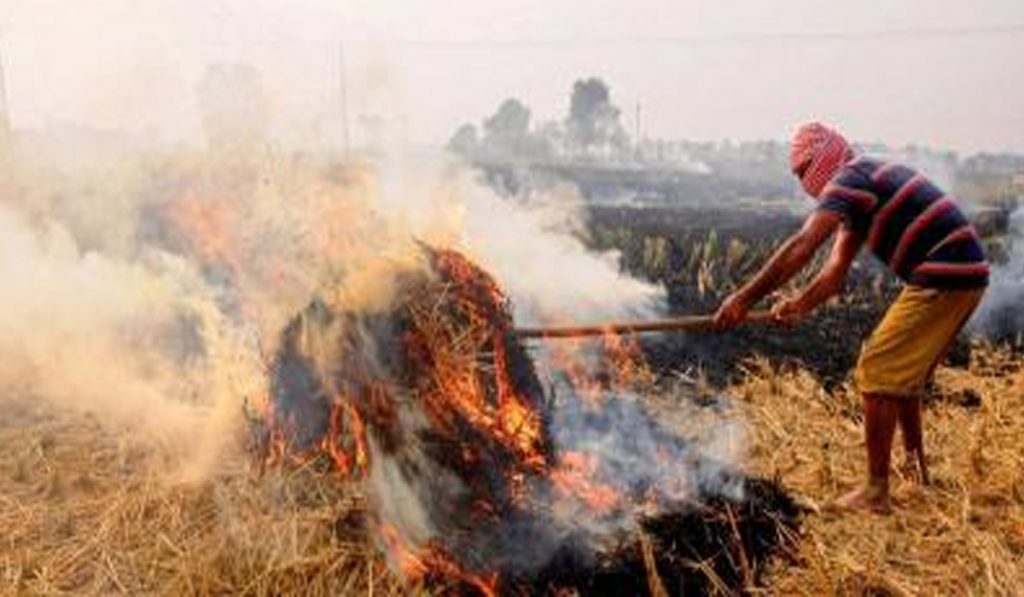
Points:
(908, 223)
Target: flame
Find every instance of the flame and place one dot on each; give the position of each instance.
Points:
(517, 420)
(207, 225)
(457, 361)
(574, 478)
(592, 366)
(350, 461)
(457, 382)
(626, 360)
(416, 564)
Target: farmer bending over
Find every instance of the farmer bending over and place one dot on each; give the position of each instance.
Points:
(918, 231)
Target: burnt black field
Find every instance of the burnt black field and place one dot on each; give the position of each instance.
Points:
(701, 254)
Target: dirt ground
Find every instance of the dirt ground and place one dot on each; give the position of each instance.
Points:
(87, 509)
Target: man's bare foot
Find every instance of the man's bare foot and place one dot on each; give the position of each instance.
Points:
(865, 499)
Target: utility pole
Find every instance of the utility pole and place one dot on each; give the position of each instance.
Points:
(636, 132)
(637, 123)
(343, 93)
(5, 121)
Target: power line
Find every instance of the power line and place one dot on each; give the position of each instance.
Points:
(776, 36)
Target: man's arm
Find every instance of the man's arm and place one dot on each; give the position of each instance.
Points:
(795, 253)
(828, 281)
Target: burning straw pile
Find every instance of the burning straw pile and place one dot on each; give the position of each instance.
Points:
(480, 481)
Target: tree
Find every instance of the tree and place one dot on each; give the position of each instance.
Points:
(507, 132)
(593, 120)
(512, 120)
(465, 141)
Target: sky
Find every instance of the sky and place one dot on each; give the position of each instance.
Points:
(945, 73)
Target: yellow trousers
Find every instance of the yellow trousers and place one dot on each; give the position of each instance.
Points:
(914, 335)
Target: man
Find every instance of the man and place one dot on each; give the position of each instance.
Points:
(922, 236)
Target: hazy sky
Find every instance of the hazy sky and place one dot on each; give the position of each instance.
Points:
(705, 69)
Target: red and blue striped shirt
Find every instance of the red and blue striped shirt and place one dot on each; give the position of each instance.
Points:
(908, 223)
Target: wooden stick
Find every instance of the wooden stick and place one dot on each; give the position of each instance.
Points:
(688, 323)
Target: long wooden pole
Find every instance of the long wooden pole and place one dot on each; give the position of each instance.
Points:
(688, 323)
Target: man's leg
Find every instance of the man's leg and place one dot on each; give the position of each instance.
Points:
(891, 372)
(880, 416)
(910, 412)
(913, 437)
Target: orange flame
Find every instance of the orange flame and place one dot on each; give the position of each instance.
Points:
(207, 226)
(417, 564)
(616, 361)
(460, 370)
(574, 478)
(457, 381)
(347, 462)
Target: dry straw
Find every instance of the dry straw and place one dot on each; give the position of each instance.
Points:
(85, 509)
(963, 535)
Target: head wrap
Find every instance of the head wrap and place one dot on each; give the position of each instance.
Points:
(816, 154)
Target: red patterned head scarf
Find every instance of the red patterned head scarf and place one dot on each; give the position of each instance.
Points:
(816, 155)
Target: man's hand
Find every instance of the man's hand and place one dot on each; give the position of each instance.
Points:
(796, 252)
(732, 312)
(788, 311)
(828, 282)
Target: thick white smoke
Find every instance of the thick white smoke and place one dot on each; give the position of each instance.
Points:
(85, 331)
(535, 250)
(150, 286)
(1000, 315)
(152, 290)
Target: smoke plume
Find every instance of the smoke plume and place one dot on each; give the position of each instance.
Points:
(1000, 316)
(150, 289)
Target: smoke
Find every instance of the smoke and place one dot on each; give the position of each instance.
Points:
(436, 407)
(535, 250)
(637, 450)
(982, 179)
(234, 108)
(65, 313)
(534, 246)
(941, 167)
(149, 286)
(86, 332)
(1000, 317)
